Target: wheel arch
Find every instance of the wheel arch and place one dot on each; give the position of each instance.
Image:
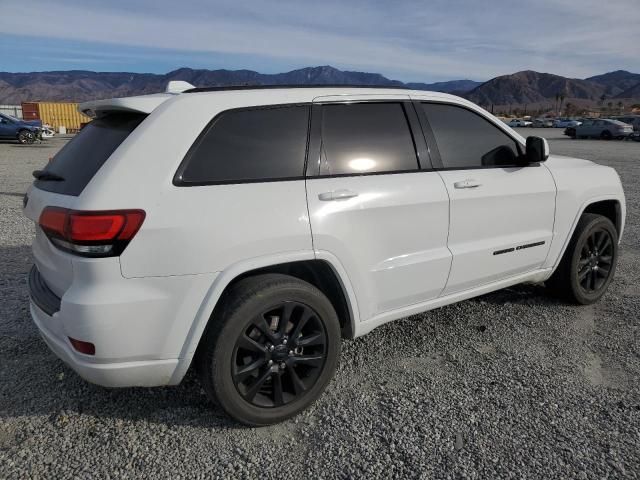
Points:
(611, 207)
(326, 275)
(321, 275)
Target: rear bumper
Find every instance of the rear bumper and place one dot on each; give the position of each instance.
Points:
(138, 326)
(148, 373)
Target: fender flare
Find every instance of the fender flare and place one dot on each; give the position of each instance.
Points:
(580, 212)
(225, 277)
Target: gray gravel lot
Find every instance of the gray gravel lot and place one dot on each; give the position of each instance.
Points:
(510, 385)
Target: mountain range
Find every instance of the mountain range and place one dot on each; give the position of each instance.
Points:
(521, 88)
(80, 85)
(534, 88)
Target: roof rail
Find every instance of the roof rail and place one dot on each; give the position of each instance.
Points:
(266, 87)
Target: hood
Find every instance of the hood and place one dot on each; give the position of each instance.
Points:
(568, 162)
(33, 123)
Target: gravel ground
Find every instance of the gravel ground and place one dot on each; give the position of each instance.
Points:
(509, 385)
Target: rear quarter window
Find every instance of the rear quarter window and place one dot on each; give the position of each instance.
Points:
(80, 159)
(251, 145)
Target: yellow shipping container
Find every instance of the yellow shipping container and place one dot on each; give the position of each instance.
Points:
(62, 114)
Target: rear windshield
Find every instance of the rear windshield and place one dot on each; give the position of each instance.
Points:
(80, 159)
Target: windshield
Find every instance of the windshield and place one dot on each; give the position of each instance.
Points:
(10, 118)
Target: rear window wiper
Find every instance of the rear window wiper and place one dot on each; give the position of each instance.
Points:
(44, 175)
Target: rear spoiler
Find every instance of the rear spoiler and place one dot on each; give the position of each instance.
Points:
(139, 104)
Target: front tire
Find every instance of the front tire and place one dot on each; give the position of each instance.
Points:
(270, 349)
(589, 263)
(26, 137)
(606, 135)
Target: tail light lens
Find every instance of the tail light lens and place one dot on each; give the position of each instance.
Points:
(91, 234)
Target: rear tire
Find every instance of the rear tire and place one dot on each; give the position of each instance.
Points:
(589, 263)
(260, 369)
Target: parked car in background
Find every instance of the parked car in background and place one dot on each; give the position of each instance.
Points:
(24, 131)
(542, 123)
(235, 230)
(565, 122)
(633, 120)
(47, 131)
(517, 122)
(603, 128)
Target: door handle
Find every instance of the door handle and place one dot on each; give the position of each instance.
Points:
(468, 183)
(337, 195)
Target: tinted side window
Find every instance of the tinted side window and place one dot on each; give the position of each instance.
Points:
(246, 145)
(80, 159)
(466, 140)
(366, 138)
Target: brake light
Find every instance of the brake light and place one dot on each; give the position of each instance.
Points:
(93, 234)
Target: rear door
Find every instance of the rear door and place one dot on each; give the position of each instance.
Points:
(370, 204)
(502, 212)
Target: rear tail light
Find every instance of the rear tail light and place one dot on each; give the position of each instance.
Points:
(91, 234)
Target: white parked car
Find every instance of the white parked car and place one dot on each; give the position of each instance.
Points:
(47, 131)
(565, 123)
(516, 122)
(248, 231)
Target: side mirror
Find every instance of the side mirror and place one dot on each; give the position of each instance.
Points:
(537, 149)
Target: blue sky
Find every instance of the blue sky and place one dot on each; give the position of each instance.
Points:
(408, 40)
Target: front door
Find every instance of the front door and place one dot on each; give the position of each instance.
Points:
(372, 207)
(502, 212)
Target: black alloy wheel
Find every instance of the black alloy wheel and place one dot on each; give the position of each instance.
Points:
(596, 260)
(270, 349)
(280, 355)
(589, 262)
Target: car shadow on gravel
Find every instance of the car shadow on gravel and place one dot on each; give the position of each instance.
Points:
(526, 293)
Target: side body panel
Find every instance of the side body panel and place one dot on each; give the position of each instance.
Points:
(500, 228)
(194, 229)
(391, 238)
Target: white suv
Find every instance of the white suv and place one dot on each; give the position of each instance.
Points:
(250, 230)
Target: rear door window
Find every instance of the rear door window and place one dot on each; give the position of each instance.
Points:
(249, 145)
(366, 138)
(80, 159)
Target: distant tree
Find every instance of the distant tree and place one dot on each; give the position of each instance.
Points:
(562, 97)
(620, 107)
(609, 106)
(602, 98)
(569, 109)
